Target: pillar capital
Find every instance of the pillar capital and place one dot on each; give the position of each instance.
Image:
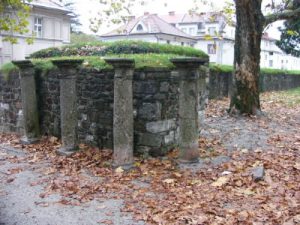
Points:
(26, 66)
(119, 63)
(188, 63)
(67, 67)
(23, 64)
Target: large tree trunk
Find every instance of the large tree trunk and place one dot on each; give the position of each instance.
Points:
(249, 29)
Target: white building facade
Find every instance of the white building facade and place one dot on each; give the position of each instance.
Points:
(209, 32)
(49, 21)
(151, 28)
(216, 38)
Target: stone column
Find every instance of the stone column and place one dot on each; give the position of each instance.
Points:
(68, 70)
(123, 112)
(188, 73)
(29, 102)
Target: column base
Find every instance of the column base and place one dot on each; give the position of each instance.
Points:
(66, 151)
(190, 161)
(28, 141)
(125, 167)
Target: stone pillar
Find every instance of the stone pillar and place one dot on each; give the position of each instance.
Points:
(123, 112)
(68, 70)
(29, 102)
(188, 73)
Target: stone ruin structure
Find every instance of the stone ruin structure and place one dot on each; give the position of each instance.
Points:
(143, 111)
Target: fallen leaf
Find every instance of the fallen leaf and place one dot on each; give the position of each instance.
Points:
(297, 166)
(119, 170)
(169, 181)
(220, 181)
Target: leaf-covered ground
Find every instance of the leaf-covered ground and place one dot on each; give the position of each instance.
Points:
(219, 190)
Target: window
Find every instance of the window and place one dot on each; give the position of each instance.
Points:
(211, 49)
(271, 53)
(212, 31)
(168, 41)
(266, 56)
(182, 43)
(200, 26)
(271, 63)
(139, 28)
(38, 26)
(191, 30)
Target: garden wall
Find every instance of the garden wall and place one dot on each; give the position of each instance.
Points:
(155, 100)
(220, 83)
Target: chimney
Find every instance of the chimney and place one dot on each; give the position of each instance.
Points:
(172, 13)
(146, 13)
(130, 18)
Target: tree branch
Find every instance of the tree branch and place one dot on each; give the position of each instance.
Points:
(284, 15)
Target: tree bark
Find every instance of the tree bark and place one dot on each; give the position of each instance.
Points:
(249, 30)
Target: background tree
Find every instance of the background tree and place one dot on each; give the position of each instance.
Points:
(290, 35)
(250, 23)
(80, 37)
(75, 21)
(14, 19)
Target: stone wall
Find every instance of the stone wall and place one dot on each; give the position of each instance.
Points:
(155, 95)
(220, 83)
(10, 103)
(156, 107)
(155, 101)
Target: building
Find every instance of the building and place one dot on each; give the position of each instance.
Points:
(50, 23)
(212, 34)
(151, 28)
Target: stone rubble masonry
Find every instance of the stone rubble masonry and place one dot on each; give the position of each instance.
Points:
(68, 104)
(29, 101)
(155, 107)
(11, 104)
(188, 70)
(155, 104)
(220, 83)
(123, 112)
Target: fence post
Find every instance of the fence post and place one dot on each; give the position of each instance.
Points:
(68, 70)
(29, 102)
(188, 73)
(123, 112)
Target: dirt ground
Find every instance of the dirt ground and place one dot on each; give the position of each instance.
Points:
(40, 187)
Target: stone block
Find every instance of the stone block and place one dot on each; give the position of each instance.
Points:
(170, 138)
(160, 126)
(152, 140)
(150, 111)
(164, 87)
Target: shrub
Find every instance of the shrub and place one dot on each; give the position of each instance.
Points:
(7, 68)
(116, 48)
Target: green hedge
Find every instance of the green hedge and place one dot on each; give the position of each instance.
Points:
(116, 48)
(229, 69)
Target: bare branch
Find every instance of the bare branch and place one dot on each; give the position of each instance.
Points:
(284, 15)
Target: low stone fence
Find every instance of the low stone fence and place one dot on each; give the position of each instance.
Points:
(105, 108)
(220, 83)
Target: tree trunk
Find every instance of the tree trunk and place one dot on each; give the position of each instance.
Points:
(249, 29)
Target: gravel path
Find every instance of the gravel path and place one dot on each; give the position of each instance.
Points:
(21, 204)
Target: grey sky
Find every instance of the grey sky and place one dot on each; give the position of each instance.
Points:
(89, 8)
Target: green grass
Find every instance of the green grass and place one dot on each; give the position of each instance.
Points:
(6, 69)
(229, 69)
(221, 68)
(290, 98)
(141, 60)
(95, 62)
